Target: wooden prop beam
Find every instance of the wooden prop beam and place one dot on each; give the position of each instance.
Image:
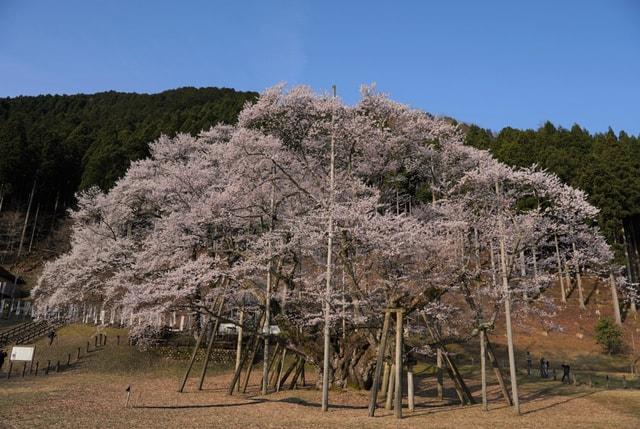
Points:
(379, 364)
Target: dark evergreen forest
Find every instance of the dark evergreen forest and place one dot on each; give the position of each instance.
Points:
(69, 142)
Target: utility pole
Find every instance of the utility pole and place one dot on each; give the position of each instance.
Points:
(327, 307)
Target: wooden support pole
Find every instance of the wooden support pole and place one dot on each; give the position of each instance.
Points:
(46, 371)
(296, 375)
(483, 372)
(10, 369)
(236, 375)
(379, 364)
(239, 341)
(496, 369)
(254, 350)
(439, 378)
(391, 388)
(37, 366)
(68, 359)
(271, 370)
(212, 338)
(193, 358)
(24, 369)
(410, 394)
(289, 371)
(78, 354)
(399, 350)
(280, 370)
(385, 380)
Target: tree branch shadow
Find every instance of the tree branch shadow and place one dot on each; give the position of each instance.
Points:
(564, 401)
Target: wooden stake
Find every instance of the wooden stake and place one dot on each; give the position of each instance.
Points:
(410, 394)
(496, 369)
(399, 347)
(193, 357)
(256, 343)
(483, 372)
(385, 380)
(379, 363)
(288, 372)
(439, 378)
(280, 370)
(239, 341)
(212, 338)
(390, 388)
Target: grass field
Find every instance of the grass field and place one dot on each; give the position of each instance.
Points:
(91, 394)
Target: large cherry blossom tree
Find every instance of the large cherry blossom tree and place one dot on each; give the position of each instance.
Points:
(418, 221)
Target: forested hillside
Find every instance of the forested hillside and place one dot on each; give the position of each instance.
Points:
(605, 165)
(69, 142)
(64, 143)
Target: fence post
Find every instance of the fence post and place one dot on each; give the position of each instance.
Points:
(46, 371)
(78, 356)
(105, 339)
(95, 341)
(10, 368)
(87, 346)
(117, 340)
(58, 366)
(37, 365)
(24, 368)
(68, 359)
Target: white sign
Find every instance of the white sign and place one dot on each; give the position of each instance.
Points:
(23, 353)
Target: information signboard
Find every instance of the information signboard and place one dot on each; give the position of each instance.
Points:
(23, 353)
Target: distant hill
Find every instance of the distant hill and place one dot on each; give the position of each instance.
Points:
(70, 142)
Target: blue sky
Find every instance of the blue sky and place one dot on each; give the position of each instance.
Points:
(494, 63)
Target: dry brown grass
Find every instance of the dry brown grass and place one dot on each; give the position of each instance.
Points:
(86, 399)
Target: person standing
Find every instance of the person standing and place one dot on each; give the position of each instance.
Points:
(546, 369)
(566, 370)
(52, 336)
(3, 355)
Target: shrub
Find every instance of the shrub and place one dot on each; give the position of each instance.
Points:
(609, 335)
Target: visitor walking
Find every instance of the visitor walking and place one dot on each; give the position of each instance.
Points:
(51, 336)
(566, 370)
